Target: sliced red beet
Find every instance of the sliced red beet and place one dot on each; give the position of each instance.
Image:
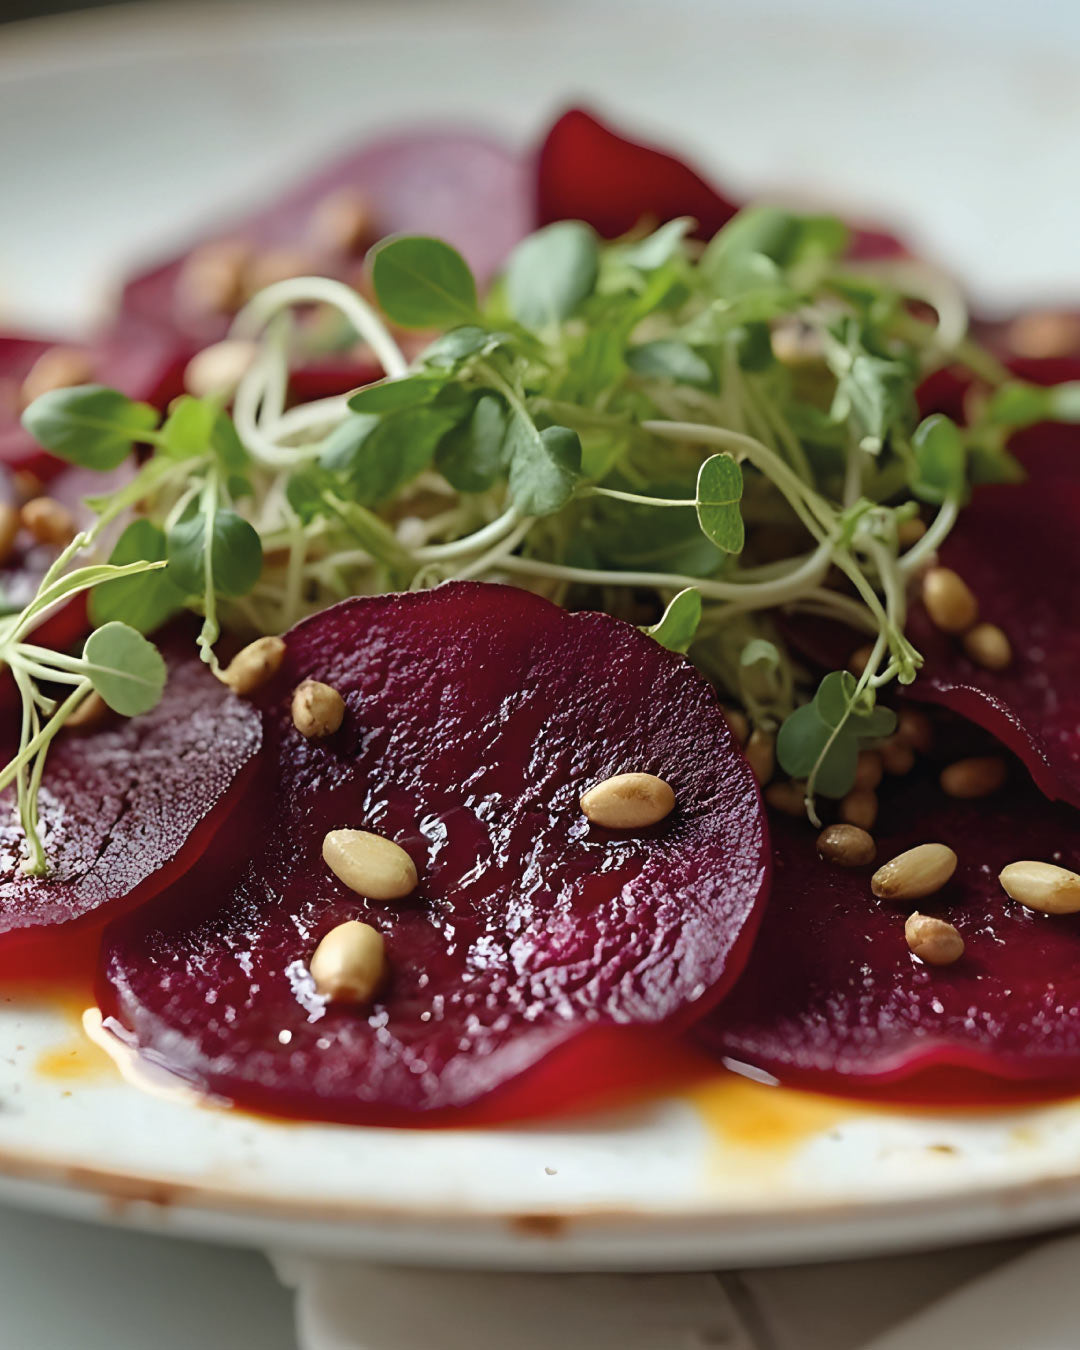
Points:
(588, 171)
(466, 188)
(832, 998)
(477, 714)
(127, 808)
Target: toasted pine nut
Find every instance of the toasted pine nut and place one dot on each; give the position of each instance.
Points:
(56, 368)
(868, 770)
(915, 729)
(317, 709)
(738, 722)
(789, 797)
(859, 807)
(48, 521)
(920, 871)
(342, 222)
(949, 601)
(975, 777)
(1042, 886)
(9, 530)
(90, 713)
(219, 368)
(277, 264)
(795, 343)
(369, 864)
(846, 846)
(988, 647)
(933, 940)
(910, 532)
(897, 756)
(349, 964)
(212, 278)
(26, 484)
(254, 665)
(628, 801)
(860, 659)
(1044, 333)
(760, 752)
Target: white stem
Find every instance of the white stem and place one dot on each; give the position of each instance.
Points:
(490, 534)
(931, 541)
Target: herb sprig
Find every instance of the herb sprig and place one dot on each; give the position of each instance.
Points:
(719, 433)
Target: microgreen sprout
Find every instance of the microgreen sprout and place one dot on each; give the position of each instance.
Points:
(719, 434)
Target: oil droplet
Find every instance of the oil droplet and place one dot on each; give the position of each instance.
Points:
(747, 1115)
(76, 1060)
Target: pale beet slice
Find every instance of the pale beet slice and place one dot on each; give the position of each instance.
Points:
(126, 808)
(476, 716)
(832, 998)
(466, 188)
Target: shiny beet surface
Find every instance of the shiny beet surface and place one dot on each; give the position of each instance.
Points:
(476, 716)
(128, 807)
(833, 999)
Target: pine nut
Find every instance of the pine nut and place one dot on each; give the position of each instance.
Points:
(915, 729)
(26, 485)
(949, 601)
(918, 872)
(9, 531)
(795, 343)
(760, 752)
(860, 659)
(868, 771)
(48, 521)
(1044, 333)
(739, 724)
(628, 801)
(56, 368)
(846, 846)
(859, 808)
(349, 964)
(342, 222)
(909, 532)
(933, 940)
(90, 713)
(897, 756)
(369, 864)
(277, 264)
(212, 279)
(254, 665)
(988, 647)
(219, 368)
(975, 777)
(1042, 886)
(317, 709)
(788, 798)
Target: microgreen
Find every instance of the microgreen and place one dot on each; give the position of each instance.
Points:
(551, 273)
(423, 283)
(89, 425)
(677, 626)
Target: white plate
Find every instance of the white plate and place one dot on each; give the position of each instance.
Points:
(124, 129)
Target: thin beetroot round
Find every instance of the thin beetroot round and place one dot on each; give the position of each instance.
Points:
(833, 1000)
(476, 716)
(125, 809)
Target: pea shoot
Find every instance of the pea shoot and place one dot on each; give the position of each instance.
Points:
(726, 429)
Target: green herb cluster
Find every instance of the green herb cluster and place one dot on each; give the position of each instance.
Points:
(727, 430)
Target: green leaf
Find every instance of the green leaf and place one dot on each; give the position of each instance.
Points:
(719, 492)
(188, 427)
(393, 395)
(450, 349)
(760, 652)
(658, 248)
(305, 491)
(551, 272)
(877, 393)
(800, 749)
(89, 425)
(544, 466)
(342, 448)
(126, 670)
(753, 346)
(470, 456)
(380, 459)
(669, 359)
(834, 697)
(940, 460)
(679, 623)
(235, 552)
(145, 601)
(1065, 401)
(1018, 404)
(875, 725)
(423, 283)
(226, 443)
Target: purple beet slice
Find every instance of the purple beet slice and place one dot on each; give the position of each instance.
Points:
(832, 999)
(476, 715)
(127, 808)
(466, 188)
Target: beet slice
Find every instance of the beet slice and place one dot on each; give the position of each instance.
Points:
(127, 808)
(586, 170)
(466, 188)
(832, 998)
(476, 716)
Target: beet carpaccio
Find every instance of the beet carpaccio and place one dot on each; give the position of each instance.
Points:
(492, 626)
